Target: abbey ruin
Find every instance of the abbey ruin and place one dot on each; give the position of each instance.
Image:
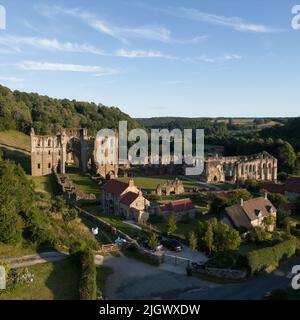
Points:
(262, 167)
(71, 147)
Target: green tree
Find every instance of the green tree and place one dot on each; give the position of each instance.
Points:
(193, 241)
(153, 242)
(209, 238)
(171, 224)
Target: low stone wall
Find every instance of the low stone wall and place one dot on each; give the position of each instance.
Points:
(103, 224)
(66, 188)
(229, 274)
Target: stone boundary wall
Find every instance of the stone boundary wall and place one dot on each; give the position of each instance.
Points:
(71, 194)
(228, 274)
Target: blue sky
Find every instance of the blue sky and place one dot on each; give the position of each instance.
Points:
(157, 58)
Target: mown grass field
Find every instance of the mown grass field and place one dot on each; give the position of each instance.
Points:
(15, 139)
(150, 183)
(53, 281)
(44, 185)
(82, 182)
(115, 221)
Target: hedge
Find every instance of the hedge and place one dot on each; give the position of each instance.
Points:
(261, 259)
(87, 283)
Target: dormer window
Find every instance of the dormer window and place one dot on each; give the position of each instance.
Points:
(270, 209)
(258, 213)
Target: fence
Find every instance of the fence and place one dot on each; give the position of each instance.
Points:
(107, 248)
(175, 260)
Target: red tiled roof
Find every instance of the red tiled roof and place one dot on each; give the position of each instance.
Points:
(128, 198)
(115, 187)
(178, 205)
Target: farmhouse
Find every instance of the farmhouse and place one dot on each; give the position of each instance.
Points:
(251, 213)
(124, 200)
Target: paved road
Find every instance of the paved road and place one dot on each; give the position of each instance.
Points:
(33, 259)
(135, 280)
(252, 289)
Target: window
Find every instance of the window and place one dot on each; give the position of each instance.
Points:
(49, 165)
(49, 143)
(39, 166)
(49, 152)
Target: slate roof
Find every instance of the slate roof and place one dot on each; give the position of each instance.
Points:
(115, 187)
(128, 198)
(241, 216)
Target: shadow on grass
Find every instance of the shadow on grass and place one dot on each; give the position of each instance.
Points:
(19, 157)
(63, 280)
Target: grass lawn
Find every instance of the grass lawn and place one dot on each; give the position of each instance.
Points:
(82, 182)
(45, 185)
(102, 275)
(15, 139)
(150, 183)
(53, 281)
(117, 222)
(183, 228)
(16, 250)
(19, 157)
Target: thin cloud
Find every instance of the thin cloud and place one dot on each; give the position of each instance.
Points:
(143, 54)
(235, 23)
(225, 57)
(11, 79)
(12, 43)
(60, 67)
(122, 33)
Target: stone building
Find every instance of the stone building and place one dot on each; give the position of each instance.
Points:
(125, 200)
(262, 167)
(249, 214)
(72, 146)
(170, 187)
(182, 208)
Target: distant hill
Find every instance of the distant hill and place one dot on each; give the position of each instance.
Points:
(21, 111)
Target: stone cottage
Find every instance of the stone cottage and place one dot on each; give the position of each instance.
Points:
(125, 200)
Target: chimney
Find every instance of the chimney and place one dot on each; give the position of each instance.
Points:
(266, 195)
(242, 202)
(131, 183)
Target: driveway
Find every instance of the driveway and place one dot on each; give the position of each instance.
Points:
(132, 279)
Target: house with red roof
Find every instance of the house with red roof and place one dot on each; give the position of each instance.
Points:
(183, 208)
(124, 200)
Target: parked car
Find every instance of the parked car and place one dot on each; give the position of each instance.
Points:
(120, 241)
(172, 244)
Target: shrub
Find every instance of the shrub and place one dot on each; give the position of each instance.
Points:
(261, 259)
(87, 284)
(69, 215)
